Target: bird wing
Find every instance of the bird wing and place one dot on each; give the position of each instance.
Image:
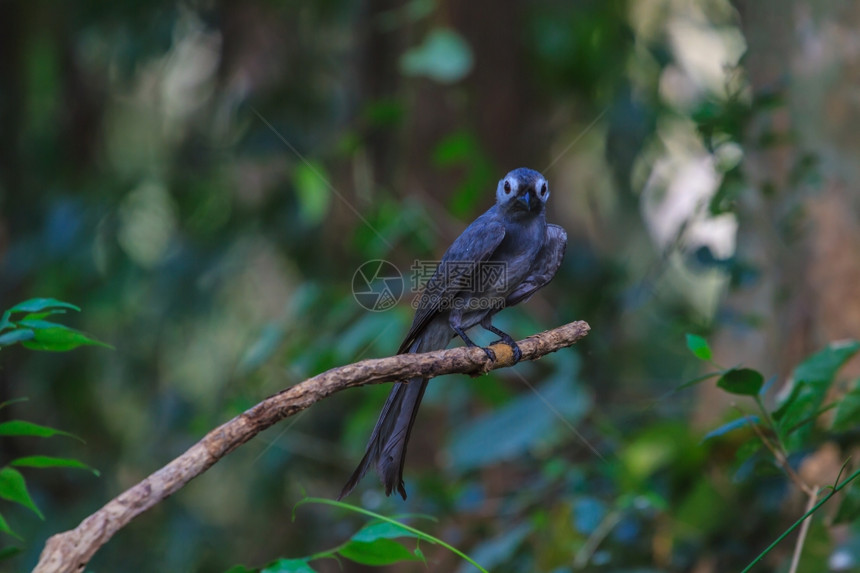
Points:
(457, 269)
(544, 268)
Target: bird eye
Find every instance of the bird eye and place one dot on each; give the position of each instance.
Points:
(543, 189)
(507, 186)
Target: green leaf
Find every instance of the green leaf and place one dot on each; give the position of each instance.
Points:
(444, 57)
(848, 410)
(809, 419)
(521, 424)
(4, 320)
(289, 566)
(51, 462)
(456, 149)
(4, 527)
(420, 555)
(22, 428)
(8, 552)
(701, 509)
(384, 112)
(60, 338)
(787, 402)
(422, 536)
(38, 323)
(849, 509)
(658, 446)
(379, 552)
(496, 552)
(17, 335)
(747, 450)
(812, 379)
(240, 569)
(733, 425)
(44, 314)
(312, 190)
(699, 347)
(262, 349)
(14, 488)
(820, 368)
(39, 304)
(380, 530)
(13, 401)
(743, 381)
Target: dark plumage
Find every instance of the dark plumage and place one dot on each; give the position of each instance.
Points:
(500, 260)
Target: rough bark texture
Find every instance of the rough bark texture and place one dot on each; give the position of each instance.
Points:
(71, 550)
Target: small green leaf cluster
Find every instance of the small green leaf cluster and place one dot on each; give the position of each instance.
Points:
(13, 486)
(795, 425)
(793, 422)
(374, 544)
(34, 332)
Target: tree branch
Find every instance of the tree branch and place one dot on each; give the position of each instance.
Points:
(71, 550)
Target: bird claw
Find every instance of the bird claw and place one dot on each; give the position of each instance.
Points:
(490, 354)
(518, 354)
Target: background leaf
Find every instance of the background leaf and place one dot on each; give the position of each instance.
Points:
(38, 323)
(380, 530)
(14, 488)
(820, 368)
(848, 410)
(811, 381)
(8, 552)
(849, 509)
(379, 552)
(743, 381)
(60, 339)
(311, 183)
(40, 304)
(4, 321)
(24, 428)
(4, 527)
(289, 566)
(51, 462)
(17, 335)
(699, 347)
(443, 56)
(520, 425)
(493, 553)
(733, 425)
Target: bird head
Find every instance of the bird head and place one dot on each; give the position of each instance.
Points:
(522, 191)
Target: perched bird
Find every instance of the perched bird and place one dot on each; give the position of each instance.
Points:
(500, 260)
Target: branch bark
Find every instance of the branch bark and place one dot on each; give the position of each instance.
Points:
(70, 551)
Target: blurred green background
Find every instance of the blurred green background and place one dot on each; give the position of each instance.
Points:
(204, 178)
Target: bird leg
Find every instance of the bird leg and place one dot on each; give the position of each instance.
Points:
(462, 334)
(506, 338)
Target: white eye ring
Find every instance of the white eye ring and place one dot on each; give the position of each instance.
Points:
(507, 187)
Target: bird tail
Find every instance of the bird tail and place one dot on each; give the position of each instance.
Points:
(386, 449)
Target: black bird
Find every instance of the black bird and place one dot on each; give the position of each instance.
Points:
(500, 260)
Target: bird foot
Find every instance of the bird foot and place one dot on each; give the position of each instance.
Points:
(515, 348)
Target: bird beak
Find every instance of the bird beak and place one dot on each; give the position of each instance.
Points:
(525, 200)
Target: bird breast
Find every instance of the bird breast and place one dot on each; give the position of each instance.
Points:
(518, 251)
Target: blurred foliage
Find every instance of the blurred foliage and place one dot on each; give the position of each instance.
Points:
(373, 544)
(35, 333)
(205, 178)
